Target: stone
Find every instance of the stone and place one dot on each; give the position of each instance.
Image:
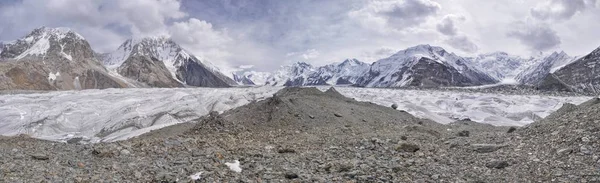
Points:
(394, 106)
(286, 150)
(564, 151)
(290, 175)
(511, 129)
(463, 133)
(337, 115)
(485, 148)
(407, 147)
(585, 149)
(125, 152)
(40, 157)
(74, 140)
(585, 139)
(497, 164)
(311, 116)
(403, 137)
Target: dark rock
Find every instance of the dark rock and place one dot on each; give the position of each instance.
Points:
(394, 106)
(337, 115)
(403, 137)
(102, 153)
(74, 140)
(463, 133)
(511, 129)
(286, 150)
(290, 175)
(497, 164)
(311, 116)
(407, 147)
(40, 157)
(486, 148)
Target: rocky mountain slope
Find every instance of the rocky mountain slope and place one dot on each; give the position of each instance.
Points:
(579, 75)
(424, 66)
(52, 59)
(183, 67)
(305, 135)
(545, 65)
(148, 70)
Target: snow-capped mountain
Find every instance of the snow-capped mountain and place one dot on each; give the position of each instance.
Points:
(183, 66)
(580, 75)
(304, 74)
(346, 73)
(424, 65)
(500, 65)
(249, 77)
(534, 74)
(52, 59)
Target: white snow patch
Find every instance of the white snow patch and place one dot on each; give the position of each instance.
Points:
(39, 48)
(235, 166)
(67, 56)
(196, 176)
(52, 76)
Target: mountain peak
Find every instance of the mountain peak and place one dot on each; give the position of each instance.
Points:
(301, 64)
(58, 32)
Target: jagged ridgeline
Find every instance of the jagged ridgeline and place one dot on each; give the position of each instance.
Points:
(61, 59)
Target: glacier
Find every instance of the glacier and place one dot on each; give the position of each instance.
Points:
(117, 114)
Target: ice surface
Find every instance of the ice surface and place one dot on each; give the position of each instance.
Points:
(447, 106)
(118, 114)
(114, 114)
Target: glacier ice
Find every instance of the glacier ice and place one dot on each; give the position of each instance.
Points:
(118, 114)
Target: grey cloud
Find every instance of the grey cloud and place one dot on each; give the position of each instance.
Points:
(537, 36)
(561, 9)
(447, 25)
(411, 12)
(462, 43)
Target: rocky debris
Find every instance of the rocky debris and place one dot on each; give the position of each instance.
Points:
(497, 164)
(394, 106)
(337, 115)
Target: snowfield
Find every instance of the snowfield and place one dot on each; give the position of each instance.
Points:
(118, 114)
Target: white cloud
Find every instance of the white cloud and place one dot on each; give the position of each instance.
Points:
(262, 33)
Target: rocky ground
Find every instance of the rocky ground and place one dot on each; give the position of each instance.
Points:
(305, 135)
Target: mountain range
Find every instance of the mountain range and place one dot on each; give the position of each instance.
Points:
(61, 59)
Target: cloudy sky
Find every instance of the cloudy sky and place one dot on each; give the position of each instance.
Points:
(269, 33)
